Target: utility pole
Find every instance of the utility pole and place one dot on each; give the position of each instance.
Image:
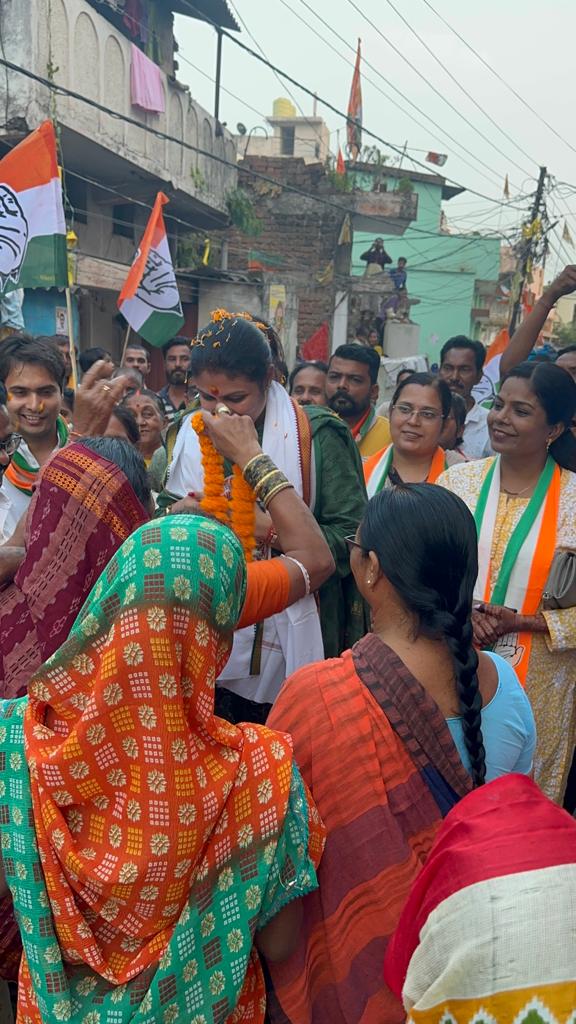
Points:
(218, 126)
(528, 251)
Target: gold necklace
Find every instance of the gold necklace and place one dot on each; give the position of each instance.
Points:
(517, 494)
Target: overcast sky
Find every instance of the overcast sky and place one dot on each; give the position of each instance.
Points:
(529, 43)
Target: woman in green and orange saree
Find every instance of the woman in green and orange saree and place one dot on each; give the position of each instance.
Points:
(147, 843)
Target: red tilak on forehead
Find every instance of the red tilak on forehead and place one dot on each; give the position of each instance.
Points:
(214, 391)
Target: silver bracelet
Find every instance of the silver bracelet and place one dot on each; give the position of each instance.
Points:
(303, 570)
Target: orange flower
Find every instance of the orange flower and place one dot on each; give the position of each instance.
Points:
(220, 314)
(240, 512)
(214, 501)
(243, 503)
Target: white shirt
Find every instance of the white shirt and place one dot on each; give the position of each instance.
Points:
(5, 508)
(18, 501)
(476, 444)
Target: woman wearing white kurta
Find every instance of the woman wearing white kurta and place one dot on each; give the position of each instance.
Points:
(231, 365)
(524, 503)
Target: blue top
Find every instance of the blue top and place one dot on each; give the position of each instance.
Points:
(508, 727)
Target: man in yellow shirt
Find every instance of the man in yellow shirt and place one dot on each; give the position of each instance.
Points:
(352, 392)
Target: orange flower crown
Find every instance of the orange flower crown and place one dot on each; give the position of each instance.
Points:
(218, 316)
(240, 512)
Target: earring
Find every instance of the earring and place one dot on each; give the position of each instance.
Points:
(548, 443)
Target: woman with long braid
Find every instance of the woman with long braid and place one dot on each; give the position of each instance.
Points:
(388, 738)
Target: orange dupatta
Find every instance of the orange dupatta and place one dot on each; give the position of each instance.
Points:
(383, 459)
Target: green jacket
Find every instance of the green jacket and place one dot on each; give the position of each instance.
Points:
(339, 502)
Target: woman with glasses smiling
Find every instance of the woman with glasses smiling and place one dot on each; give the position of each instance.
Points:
(418, 412)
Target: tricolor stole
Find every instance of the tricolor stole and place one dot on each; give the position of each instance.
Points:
(377, 467)
(527, 560)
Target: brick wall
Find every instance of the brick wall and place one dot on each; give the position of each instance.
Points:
(297, 232)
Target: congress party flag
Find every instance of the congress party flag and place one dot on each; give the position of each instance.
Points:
(149, 299)
(32, 223)
(354, 124)
(487, 388)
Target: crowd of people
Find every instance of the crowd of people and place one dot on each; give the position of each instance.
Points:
(287, 684)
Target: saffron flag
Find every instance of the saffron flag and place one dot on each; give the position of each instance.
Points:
(354, 123)
(149, 299)
(316, 346)
(437, 158)
(32, 223)
(340, 165)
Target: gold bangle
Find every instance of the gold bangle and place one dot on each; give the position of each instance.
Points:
(261, 482)
(253, 459)
(281, 487)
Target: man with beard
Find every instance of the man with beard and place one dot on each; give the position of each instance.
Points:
(461, 365)
(174, 396)
(352, 391)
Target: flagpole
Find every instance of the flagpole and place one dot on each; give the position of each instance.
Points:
(71, 344)
(126, 340)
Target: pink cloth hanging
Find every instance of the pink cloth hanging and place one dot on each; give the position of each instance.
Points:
(146, 89)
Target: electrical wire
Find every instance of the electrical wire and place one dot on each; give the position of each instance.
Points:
(499, 76)
(291, 95)
(330, 106)
(459, 85)
(165, 136)
(477, 160)
(438, 92)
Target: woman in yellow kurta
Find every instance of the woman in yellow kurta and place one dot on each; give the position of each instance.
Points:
(524, 503)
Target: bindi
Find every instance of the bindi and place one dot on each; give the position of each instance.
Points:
(215, 392)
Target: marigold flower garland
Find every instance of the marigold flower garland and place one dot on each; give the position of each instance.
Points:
(240, 512)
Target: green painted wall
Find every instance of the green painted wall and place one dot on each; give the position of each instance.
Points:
(442, 268)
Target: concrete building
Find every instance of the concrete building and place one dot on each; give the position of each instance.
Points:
(113, 168)
(442, 268)
(493, 300)
(291, 135)
(299, 263)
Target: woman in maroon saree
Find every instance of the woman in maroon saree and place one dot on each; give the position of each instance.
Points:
(83, 510)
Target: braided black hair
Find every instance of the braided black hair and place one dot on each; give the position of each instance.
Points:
(436, 535)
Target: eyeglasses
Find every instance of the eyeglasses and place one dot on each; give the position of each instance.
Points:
(428, 415)
(353, 543)
(11, 444)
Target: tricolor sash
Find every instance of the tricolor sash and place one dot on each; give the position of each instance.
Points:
(24, 476)
(527, 560)
(377, 467)
(364, 425)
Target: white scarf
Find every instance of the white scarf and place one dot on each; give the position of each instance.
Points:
(292, 638)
